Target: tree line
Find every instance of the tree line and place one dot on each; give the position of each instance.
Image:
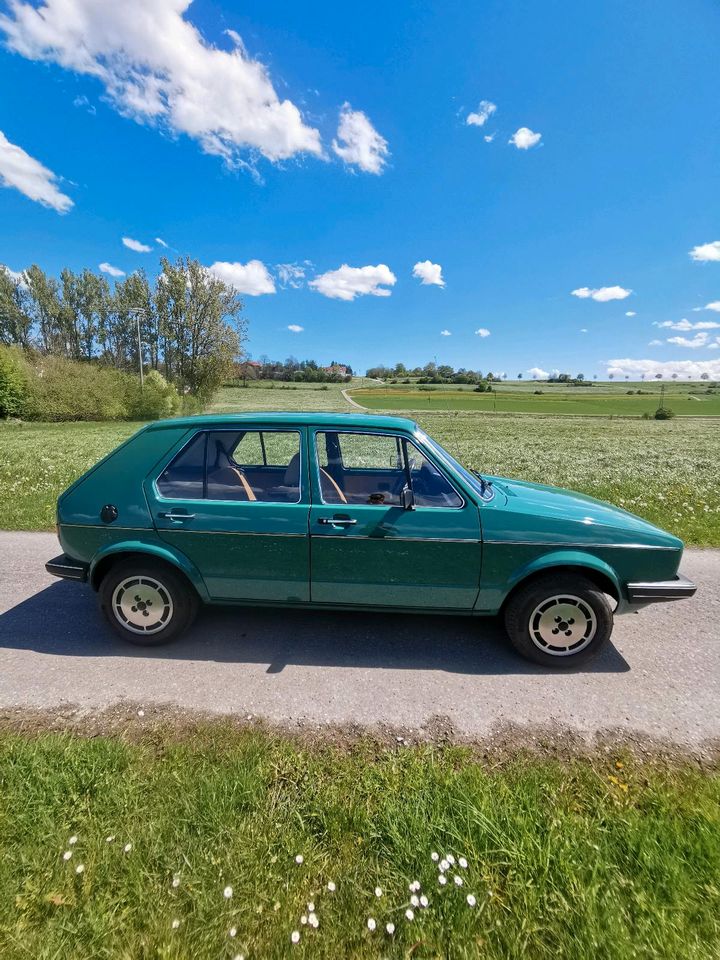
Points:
(190, 324)
(297, 371)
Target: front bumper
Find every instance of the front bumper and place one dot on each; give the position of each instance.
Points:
(66, 568)
(680, 588)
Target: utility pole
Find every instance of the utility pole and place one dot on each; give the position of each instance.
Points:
(136, 311)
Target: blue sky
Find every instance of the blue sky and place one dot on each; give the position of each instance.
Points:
(321, 135)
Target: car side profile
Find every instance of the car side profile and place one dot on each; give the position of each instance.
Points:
(353, 512)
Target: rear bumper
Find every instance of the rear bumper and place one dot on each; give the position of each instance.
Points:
(66, 568)
(680, 588)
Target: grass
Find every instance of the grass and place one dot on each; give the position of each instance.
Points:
(592, 858)
(591, 402)
(664, 471)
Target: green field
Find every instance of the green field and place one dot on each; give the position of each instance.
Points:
(664, 471)
(604, 858)
(578, 402)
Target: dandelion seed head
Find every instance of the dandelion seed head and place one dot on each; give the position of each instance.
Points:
(67, 854)
(371, 923)
(228, 892)
(410, 914)
(390, 927)
(471, 900)
(295, 936)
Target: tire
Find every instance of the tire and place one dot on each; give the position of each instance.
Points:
(147, 603)
(559, 620)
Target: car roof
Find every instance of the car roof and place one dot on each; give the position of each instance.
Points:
(313, 419)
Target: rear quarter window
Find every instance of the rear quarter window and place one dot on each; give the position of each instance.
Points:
(182, 479)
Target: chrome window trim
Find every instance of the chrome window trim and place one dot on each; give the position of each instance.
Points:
(267, 503)
(379, 433)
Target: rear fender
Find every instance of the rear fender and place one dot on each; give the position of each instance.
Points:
(161, 552)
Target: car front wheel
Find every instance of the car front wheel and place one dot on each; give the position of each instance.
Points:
(559, 620)
(146, 603)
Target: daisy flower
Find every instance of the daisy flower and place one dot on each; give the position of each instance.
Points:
(371, 923)
(227, 892)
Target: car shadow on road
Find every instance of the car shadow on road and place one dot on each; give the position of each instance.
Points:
(64, 620)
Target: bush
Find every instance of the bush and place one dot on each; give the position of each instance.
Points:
(64, 390)
(664, 413)
(14, 376)
(156, 400)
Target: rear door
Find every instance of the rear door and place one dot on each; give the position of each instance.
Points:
(236, 503)
(366, 549)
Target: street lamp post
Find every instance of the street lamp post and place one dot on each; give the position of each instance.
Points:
(136, 311)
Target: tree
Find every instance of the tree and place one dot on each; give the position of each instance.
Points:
(15, 320)
(200, 324)
(704, 376)
(519, 376)
(45, 310)
(580, 376)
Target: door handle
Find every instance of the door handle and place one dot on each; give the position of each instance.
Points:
(171, 515)
(337, 521)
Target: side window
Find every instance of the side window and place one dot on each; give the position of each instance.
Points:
(182, 479)
(371, 468)
(254, 466)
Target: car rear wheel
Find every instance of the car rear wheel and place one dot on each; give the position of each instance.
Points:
(559, 620)
(147, 603)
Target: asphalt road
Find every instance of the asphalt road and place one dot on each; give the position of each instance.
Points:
(661, 677)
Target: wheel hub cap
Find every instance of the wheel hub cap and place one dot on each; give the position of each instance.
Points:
(142, 604)
(562, 625)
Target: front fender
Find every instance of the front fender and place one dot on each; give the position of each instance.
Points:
(564, 558)
(162, 551)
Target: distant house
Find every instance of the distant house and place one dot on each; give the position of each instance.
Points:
(339, 369)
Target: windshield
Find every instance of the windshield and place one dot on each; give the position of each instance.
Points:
(484, 491)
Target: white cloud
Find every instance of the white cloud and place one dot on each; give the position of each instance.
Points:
(699, 340)
(26, 174)
(158, 68)
(252, 278)
(113, 271)
(358, 142)
(161, 242)
(601, 294)
(706, 251)
(538, 374)
(445, 333)
(524, 138)
(715, 306)
(630, 313)
(685, 325)
(655, 343)
(484, 111)
(489, 137)
(295, 328)
(290, 274)
(136, 245)
(583, 330)
(685, 369)
(482, 332)
(429, 273)
(346, 282)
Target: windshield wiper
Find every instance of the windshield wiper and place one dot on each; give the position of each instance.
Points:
(485, 485)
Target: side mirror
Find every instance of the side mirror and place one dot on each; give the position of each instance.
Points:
(407, 499)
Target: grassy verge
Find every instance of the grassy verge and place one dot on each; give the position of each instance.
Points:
(601, 859)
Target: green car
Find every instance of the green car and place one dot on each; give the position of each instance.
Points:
(350, 512)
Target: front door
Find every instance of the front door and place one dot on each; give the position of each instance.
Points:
(366, 549)
(236, 502)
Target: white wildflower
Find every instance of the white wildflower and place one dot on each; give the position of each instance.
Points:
(444, 864)
(110, 838)
(435, 856)
(299, 858)
(303, 919)
(462, 862)
(423, 901)
(371, 923)
(176, 880)
(141, 713)
(175, 924)
(295, 936)
(414, 900)
(72, 841)
(378, 891)
(80, 868)
(450, 858)
(471, 900)
(442, 879)
(67, 854)
(227, 893)
(311, 907)
(127, 848)
(409, 914)
(331, 886)
(390, 927)
(458, 880)
(232, 932)
(313, 921)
